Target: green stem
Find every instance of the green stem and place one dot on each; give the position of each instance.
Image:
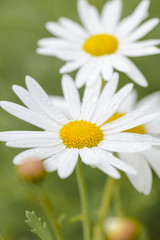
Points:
(84, 201)
(47, 205)
(117, 201)
(103, 209)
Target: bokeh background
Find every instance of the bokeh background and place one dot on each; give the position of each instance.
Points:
(21, 26)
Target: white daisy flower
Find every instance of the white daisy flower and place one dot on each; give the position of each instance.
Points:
(144, 161)
(104, 44)
(84, 132)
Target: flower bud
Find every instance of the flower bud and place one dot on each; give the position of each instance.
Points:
(122, 228)
(32, 170)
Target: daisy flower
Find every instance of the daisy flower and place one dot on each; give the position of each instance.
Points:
(144, 161)
(84, 132)
(103, 44)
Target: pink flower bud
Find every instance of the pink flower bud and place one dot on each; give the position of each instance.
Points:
(32, 170)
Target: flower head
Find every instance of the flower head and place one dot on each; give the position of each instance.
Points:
(86, 130)
(103, 44)
(144, 161)
(32, 170)
(118, 228)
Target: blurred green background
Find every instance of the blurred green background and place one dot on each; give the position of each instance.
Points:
(21, 26)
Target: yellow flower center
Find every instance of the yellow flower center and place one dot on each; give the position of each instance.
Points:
(80, 134)
(139, 129)
(101, 44)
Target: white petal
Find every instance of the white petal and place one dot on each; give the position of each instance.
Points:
(153, 127)
(125, 136)
(143, 30)
(37, 153)
(155, 141)
(16, 135)
(94, 76)
(61, 105)
(107, 93)
(135, 74)
(82, 74)
(89, 100)
(111, 15)
(55, 29)
(140, 44)
(66, 54)
(107, 69)
(109, 170)
(27, 115)
(43, 100)
(124, 146)
(143, 180)
(33, 143)
(30, 102)
(88, 156)
(131, 124)
(71, 96)
(133, 137)
(152, 101)
(57, 43)
(129, 103)
(26, 98)
(69, 55)
(131, 22)
(117, 163)
(45, 51)
(127, 118)
(51, 164)
(141, 52)
(148, 43)
(74, 27)
(29, 139)
(113, 105)
(63, 49)
(113, 161)
(67, 162)
(87, 73)
(153, 158)
(73, 65)
(89, 16)
(61, 32)
(119, 63)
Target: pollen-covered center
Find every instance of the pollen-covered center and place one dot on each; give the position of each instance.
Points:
(139, 129)
(101, 44)
(80, 134)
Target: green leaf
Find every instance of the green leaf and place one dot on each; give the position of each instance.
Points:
(77, 218)
(61, 218)
(1, 238)
(37, 226)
